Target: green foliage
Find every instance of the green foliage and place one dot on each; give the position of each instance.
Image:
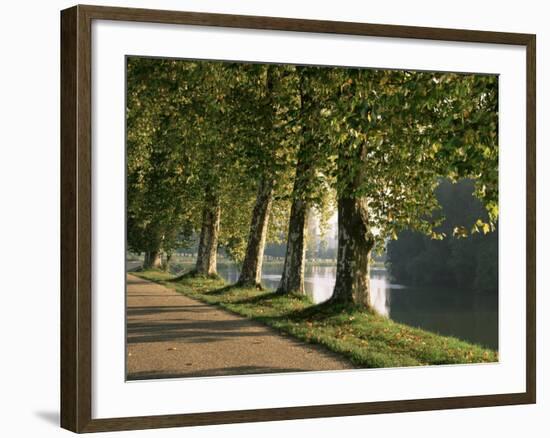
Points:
(383, 135)
(398, 132)
(156, 166)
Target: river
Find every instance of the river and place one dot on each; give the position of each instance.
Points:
(465, 314)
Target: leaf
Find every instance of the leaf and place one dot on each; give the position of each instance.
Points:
(460, 231)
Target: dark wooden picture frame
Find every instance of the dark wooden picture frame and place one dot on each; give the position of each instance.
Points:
(76, 218)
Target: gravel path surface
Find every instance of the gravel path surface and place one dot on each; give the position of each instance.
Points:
(171, 335)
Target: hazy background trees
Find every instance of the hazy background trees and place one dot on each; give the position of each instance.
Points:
(456, 260)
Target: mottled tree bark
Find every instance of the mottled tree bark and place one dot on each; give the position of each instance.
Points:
(166, 264)
(355, 239)
(292, 280)
(208, 242)
(251, 271)
(200, 248)
(355, 244)
(152, 260)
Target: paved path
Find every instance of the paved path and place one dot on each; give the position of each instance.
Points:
(170, 335)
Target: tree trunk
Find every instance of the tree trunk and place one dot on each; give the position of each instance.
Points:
(152, 260)
(251, 272)
(292, 280)
(208, 242)
(202, 237)
(355, 239)
(354, 247)
(168, 257)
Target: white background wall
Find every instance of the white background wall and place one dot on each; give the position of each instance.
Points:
(29, 216)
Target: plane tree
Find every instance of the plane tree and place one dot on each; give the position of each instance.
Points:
(264, 107)
(311, 189)
(395, 135)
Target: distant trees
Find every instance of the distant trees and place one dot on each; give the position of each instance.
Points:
(453, 261)
(241, 153)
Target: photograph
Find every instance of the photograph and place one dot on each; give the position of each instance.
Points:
(285, 218)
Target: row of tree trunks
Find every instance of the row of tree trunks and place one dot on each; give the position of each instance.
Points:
(208, 241)
(355, 244)
(355, 240)
(251, 271)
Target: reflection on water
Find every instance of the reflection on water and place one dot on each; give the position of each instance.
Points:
(465, 314)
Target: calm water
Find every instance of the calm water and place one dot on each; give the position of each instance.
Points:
(465, 314)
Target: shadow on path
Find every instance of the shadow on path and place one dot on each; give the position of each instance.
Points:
(191, 331)
(212, 341)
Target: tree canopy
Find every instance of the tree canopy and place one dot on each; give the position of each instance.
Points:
(240, 153)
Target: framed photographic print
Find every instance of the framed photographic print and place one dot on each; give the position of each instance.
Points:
(271, 218)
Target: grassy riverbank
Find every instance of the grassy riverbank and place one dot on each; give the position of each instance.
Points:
(367, 340)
